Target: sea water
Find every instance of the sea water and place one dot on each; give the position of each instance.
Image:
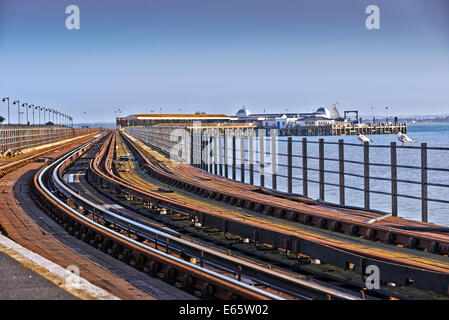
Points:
(379, 153)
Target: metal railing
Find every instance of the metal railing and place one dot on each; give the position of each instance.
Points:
(366, 176)
(19, 138)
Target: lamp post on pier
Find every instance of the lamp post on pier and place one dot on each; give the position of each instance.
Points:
(18, 110)
(39, 108)
(26, 109)
(4, 99)
(31, 106)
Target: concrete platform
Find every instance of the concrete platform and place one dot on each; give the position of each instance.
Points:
(28, 276)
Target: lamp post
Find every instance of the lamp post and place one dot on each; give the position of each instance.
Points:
(39, 108)
(26, 108)
(18, 110)
(4, 99)
(35, 108)
(31, 106)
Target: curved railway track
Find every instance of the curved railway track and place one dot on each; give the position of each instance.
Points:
(402, 266)
(293, 285)
(190, 277)
(419, 236)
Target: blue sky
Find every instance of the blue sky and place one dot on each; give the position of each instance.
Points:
(215, 56)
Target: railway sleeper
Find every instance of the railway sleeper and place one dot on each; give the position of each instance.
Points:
(357, 230)
(188, 282)
(373, 234)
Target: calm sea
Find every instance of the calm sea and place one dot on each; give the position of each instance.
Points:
(433, 135)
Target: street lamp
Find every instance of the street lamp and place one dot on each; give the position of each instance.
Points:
(4, 99)
(26, 108)
(39, 108)
(35, 108)
(31, 106)
(18, 110)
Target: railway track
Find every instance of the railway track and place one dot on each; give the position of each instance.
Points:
(404, 267)
(13, 165)
(97, 231)
(290, 283)
(354, 222)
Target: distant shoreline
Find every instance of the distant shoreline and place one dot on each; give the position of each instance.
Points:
(421, 123)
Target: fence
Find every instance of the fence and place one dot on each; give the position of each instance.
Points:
(18, 138)
(405, 181)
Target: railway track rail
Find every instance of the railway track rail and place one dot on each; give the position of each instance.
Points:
(400, 267)
(413, 235)
(190, 277)
(295, 286)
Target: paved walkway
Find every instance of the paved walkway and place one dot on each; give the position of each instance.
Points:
(28, 276)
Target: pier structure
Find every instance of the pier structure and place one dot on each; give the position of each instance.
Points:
(319, 125)
(124, 200)
(345, 129)
(15, 138)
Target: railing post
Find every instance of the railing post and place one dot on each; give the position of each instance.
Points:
(215, 133)
(204, 163)
(262, 158)
(394, 181)
(197, 157)
(220, 152)
(225, 140)
(209, 151)
(242, 156)
(200, 151)
(192, 148)
(424, 205)
(341, 170)
(366, 174)
(321, 167)
(233, 157)
(251, 157)
(289, 166)
(274, 159)
(304, 168)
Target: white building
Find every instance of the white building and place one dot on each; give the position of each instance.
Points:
(321, 117)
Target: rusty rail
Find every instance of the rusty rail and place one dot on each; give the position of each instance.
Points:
(191, 278)
(391, 234)
(392, 269)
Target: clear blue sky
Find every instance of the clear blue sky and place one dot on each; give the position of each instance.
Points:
(218, 55)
